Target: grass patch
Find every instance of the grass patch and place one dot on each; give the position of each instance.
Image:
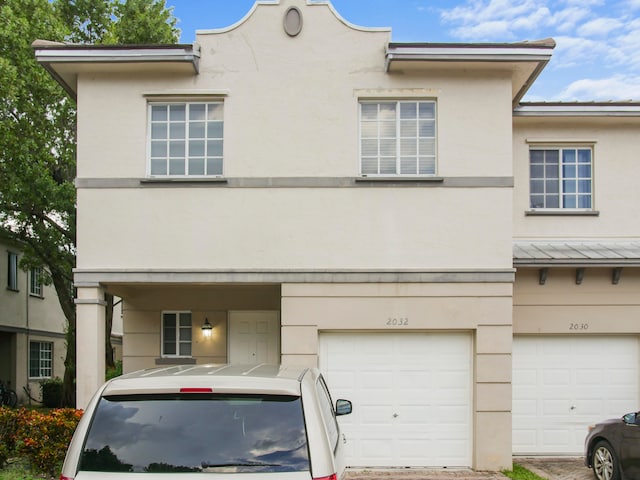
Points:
(18, 470)
(521, 473)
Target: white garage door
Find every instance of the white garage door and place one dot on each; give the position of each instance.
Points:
(561, 385)
(411, 396)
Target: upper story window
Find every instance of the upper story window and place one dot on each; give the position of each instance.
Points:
(35, 282)
(561, 178)
(186, 139)
(398, 137)
(176, 334)
(12, 271)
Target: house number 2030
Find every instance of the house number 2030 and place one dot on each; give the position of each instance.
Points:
(397, 322)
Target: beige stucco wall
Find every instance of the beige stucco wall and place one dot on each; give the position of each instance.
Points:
(562, 307)
(615, 145)
(306, 126)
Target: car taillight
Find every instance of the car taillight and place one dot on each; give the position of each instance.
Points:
(62, 477)
(330, 477)
(196, 390)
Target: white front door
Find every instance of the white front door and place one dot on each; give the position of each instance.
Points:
(562, 384)
(411, 395)
(254, 337)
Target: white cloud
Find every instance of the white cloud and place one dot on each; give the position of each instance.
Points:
(618, 87)
(496, 19)
(600, 27)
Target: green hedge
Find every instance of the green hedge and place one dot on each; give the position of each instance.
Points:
(41, 438)
(51, 392)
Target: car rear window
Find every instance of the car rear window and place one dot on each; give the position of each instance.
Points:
(197, 433)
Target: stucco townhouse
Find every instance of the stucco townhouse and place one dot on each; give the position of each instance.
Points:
(32, 326)
(293, 188)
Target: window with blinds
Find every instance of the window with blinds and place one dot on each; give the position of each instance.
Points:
(398, 138)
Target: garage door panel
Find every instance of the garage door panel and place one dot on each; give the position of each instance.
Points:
(411, 396)
(563, 384)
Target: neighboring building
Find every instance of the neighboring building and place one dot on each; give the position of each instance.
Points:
(462, 266)
(32, 326)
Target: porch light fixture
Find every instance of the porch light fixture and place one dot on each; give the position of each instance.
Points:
(206, 328)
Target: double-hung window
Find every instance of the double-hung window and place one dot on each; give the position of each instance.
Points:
(398, 137)
(176, 334)
(561, 177)
(185, 139)
(40, 359)
(35, 282)
(12, 271)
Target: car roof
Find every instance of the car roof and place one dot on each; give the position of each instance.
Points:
(216, 378)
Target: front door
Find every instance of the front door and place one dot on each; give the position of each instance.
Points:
(254, 337)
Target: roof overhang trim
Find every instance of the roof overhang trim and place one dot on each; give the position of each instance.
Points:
(536, 54)
(59, 59)
(575, 109)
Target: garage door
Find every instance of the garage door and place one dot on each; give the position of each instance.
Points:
(411, 397)
(561, 385)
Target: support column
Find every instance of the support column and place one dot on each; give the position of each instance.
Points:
(493, 398)
(90, 343)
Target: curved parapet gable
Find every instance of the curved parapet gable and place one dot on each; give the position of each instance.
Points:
(298, 4)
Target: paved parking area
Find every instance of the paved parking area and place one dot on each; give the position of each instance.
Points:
(423, 474)
(550, 468)
(557, 468)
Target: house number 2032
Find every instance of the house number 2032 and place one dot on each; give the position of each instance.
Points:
(397, 322)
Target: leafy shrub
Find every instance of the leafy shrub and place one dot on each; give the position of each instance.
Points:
(8, 433)
(115, 371)
(41, 438)
(51, 392)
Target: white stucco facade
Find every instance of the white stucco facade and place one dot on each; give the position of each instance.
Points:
(293, 226)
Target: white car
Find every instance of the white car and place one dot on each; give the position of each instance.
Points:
(256, 422)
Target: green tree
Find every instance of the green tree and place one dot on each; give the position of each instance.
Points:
(37, 129)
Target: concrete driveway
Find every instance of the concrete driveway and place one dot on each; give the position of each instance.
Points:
(551, 468)
(557, 468)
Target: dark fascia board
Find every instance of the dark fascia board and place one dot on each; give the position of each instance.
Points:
(538, 52)
(577, 263)
(52, 54)
(578, 109)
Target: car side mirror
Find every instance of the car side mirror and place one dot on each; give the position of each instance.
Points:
(631, 419)
(343, 407)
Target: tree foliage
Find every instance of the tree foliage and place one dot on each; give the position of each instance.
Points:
(37, 128)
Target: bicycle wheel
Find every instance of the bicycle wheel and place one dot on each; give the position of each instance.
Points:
(10, 398)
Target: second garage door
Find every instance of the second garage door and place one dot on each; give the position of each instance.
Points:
(561, 385)
(411, 394)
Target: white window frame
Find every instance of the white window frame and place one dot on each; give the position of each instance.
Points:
(12, 271)
(35, 282)
(178, 329)
(426, 152)
(44, 359)
(552, 186)
(205, 163)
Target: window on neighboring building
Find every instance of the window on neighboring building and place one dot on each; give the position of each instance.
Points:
(398, 137)
(186, 139)
(40, 359)
(12, 271)
(35, 282)
(561, 178)
(176, 334)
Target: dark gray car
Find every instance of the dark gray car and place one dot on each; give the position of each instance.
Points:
(612, 448)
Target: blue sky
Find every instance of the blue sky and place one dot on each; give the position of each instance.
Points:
(597, 56)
